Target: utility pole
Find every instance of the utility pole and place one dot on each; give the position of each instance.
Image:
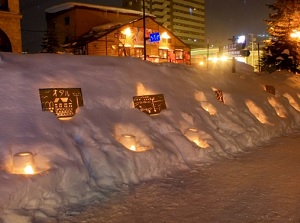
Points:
(252, 47)
(207, 53)
(144, 25)
(258, 54)
(233, 58)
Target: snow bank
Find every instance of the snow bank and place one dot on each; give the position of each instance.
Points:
(82, 159)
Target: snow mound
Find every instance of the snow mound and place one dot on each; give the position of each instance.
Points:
(210, 114)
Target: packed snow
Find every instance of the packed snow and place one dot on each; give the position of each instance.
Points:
(86, 157)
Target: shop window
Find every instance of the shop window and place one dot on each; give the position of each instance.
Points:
(124, 51)
(178, 54)
(138, 52)
(163, 54)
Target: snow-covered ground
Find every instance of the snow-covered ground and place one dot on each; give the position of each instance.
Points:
(260, 186)
(83, 159)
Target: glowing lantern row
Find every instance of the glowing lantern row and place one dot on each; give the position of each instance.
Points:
(23, 163)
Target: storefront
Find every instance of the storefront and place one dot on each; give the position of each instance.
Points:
(128, 40)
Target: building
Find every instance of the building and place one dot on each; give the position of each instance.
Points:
(113, 31)
(10, 26)
(184, 18)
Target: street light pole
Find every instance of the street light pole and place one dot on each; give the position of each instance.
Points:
(207, 53)
(233, 58)
(252, 47)
(144, 25)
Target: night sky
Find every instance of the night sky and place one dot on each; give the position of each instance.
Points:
(224, 19)
(227, 18)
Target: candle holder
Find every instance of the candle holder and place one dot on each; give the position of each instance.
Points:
(129, 141)
(193, 135)
(23, 163)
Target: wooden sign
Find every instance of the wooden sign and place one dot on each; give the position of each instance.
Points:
(63, 102)
(270, 89)
(150, 104)
(219, 95)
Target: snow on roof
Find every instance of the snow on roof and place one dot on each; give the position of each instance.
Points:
(69, 5)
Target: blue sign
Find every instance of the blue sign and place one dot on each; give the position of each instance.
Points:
(154, 37)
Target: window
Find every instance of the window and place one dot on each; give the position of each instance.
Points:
(178, 54)
(163, 53)
(124, 51)
(3, 5)
(138, 52)
(67, 20)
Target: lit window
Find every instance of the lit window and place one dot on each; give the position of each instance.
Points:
(139, 52)
(163, 53)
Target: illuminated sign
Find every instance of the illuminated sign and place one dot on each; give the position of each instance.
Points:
(150, 104)
(241, 39)
(154, 37)
(236, 47)
(63, 102)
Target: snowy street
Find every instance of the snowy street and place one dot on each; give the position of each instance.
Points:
(259, 186)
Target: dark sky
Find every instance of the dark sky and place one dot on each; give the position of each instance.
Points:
(34, 19)
(227, 18)
(224, 18)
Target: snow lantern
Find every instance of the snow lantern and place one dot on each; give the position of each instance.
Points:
(193, 135)
(129, 141)
(23, 163)
(208, 107)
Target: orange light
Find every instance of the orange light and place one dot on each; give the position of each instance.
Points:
(23, 163)
(127, 32)
(28, 169)
(129, 141)
(165, 35)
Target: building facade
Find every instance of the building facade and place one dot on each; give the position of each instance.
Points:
(113, 32)
(184, 18)
(10, 26)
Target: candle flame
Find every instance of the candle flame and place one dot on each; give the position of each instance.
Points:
(28, 170)
(132, 147)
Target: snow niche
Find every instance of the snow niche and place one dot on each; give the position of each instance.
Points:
(27, 161)
(141, 90)
(200, 138)
(280, 110)
(200, 96)
(194, 135)
(292, 101)
(256, 111)
(132, 138)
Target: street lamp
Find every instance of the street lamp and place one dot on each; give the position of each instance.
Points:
(295, 34)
